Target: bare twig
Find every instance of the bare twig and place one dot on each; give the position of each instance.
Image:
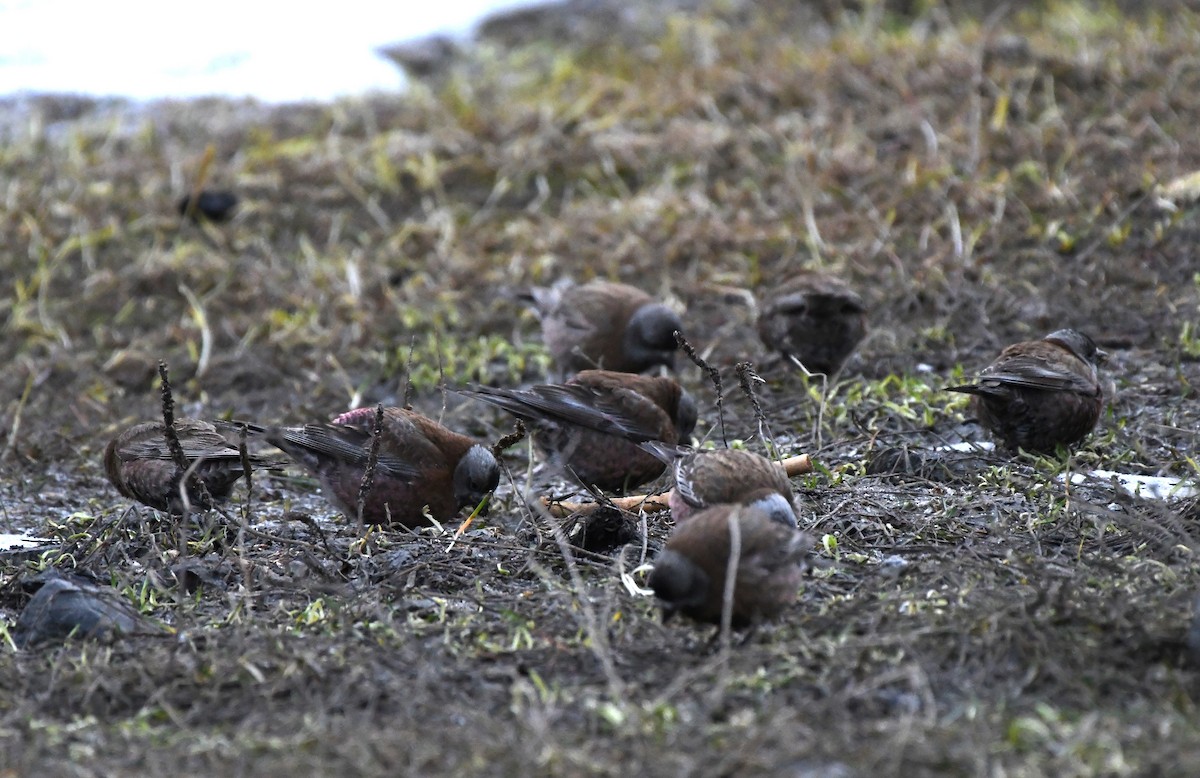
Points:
(746, 380)
(731, 570)
(201, 319)
(598, 636)
(714, 375)
(509, 440)
(368, 478)
(15, 425)
(825, 382)
(168, 415)
(179, 481)
(406, 394)
(244, 513)
(247, 470)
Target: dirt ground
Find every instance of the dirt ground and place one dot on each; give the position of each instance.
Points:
(980, 180)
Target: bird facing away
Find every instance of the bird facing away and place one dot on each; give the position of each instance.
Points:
(1040, 394)
(732, 476)
(591, 424)
(689, 575)
(816, 319)
(606, 325)
(139, 463)
(420, 463)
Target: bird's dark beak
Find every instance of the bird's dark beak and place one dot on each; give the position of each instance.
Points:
(1101, 356)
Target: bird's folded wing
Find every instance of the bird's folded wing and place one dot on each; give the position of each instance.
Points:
(581, 406)
(1034, 374)
(344, 443)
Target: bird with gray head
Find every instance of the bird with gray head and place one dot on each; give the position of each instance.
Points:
(704, 478)
(1040, 394)
(815, 319)
(690, 574)
(592, 424)
(420, 465)
(606, 325)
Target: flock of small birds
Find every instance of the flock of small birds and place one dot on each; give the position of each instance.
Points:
(614, 429)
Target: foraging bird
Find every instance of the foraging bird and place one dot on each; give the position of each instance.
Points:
(727, 475)
(816, 319)
(139, 463)
(591, 425)
(420, 463)
(689, 575)
(213, 205)
(606, 325)
(1040, 394)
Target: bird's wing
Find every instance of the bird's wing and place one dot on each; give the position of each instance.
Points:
(668, 453)
(341, 442)
(1034, 373)
(196, 444)
(685, 486)
(581, 406)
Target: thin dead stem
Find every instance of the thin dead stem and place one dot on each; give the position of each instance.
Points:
(15, 425)
(714, 376)
(597, 636)
(368, 477)
(747, 378)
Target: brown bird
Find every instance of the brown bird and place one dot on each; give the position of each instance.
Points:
(606, 325)
(816, 319)
(689, 575)
(726, 475)
(138, 462)
(591, 425)
(1040, 394)
(420, 463)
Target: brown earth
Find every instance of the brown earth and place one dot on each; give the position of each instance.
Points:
(980, 181)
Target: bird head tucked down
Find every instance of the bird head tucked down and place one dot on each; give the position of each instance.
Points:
(650, 337)
(421, 464)
(768, 559)
(476, 475)
(777, 507)
(679, 583)
(815, 319)
(686, 415)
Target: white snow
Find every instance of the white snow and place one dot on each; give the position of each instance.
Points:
(272, 50)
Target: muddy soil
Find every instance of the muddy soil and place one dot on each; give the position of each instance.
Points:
(980, 180)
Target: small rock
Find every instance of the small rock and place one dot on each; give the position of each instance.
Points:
(69, 605)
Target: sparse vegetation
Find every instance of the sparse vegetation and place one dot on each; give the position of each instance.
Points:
(979, 179)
